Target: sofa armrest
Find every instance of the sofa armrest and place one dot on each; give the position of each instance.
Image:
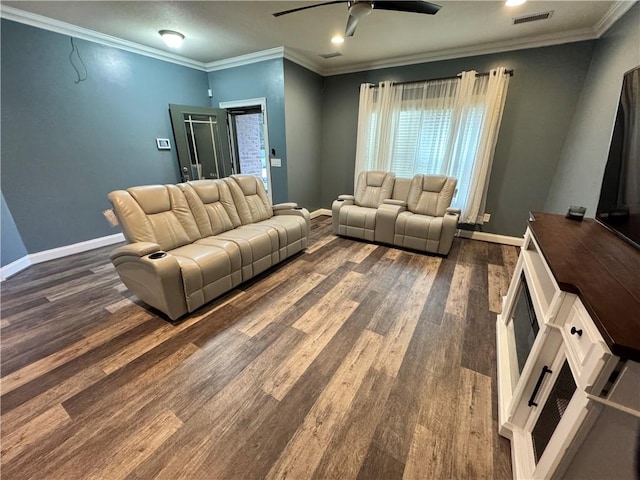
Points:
(453, 211)
(335, 210)
(449, 226)
(298, 211)
(386, 216)
(285, 206)
(153, 276)
(391, 201)
(139, 249)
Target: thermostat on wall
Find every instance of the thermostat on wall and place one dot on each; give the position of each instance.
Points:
(163, 144)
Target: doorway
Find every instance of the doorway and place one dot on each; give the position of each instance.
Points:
(249, 138)
(202, 142)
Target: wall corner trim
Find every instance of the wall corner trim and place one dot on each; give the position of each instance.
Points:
(617, 10)
(14, 267)
(54, 253)
(491, 238)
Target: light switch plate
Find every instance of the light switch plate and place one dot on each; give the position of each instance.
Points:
(486, 218)
(276, 162)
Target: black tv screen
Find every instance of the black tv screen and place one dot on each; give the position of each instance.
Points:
(619, 204)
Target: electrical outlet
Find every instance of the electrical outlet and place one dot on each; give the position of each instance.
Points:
(486, 218)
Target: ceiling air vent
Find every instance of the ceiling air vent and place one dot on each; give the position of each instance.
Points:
(331, 55)
(532, 18)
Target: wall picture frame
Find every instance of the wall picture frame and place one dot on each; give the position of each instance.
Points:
(163, 144)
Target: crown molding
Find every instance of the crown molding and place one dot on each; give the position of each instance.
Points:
(239, 61)
(486, 49)
(303, 61)
(52, 25)
(617, 10)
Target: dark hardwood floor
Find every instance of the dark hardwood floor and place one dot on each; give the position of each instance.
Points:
(350, 360)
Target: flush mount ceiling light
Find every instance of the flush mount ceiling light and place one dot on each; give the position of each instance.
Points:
(171, 38)
(337, 39)
(514, 3)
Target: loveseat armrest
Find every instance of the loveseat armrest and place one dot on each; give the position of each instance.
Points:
(298, 211)
(391, 201)
(449, 226)
(138, 249)
(386, 216)
(285, 206)
(453, 211)
(153, 276)
(342, 201)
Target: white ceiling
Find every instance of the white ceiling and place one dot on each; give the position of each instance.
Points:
(218, 30)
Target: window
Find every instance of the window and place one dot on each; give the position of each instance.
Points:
(436, 128)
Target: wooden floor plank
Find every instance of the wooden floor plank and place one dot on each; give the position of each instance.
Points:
(304, 451)
(349, 360)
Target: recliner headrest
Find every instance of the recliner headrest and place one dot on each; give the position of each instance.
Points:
(151, 198)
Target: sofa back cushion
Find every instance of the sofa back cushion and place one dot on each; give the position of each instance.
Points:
(155, 213)
(250, 198)
(431, 194)
(373, 187)
(212, 205)
(401, 189)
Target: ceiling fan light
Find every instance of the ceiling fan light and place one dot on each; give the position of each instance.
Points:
(171, 38)
(360, 9)
(514, 3)
(337, 39)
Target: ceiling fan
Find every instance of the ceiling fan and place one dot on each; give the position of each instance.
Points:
(362, 8)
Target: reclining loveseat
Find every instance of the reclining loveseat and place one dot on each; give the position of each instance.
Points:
(414, 214)
(190, 243)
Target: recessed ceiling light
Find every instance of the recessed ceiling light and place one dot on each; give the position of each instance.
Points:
(171, 38)
(337, 39)
(514, 3)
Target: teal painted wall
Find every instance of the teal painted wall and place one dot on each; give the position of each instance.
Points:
(261, 79)
(11, 245)
(65, 146)
(584, 156)
(540, 103)
(303, 113)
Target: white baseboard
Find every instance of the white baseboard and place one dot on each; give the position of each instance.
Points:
(46, 255)
(491, 237)
(319, 212)
(14, 267)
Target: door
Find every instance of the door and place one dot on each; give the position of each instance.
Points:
(248, 130)
(202, 142)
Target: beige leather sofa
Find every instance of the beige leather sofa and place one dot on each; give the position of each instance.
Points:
(191, 242)
(413, 214)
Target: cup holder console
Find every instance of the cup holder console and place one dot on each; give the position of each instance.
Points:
(297, 208)
(157, 255)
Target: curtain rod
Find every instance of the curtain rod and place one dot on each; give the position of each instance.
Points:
(484, 74)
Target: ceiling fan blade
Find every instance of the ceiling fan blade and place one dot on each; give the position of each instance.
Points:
(352, 23)
(285, 12)
(418, 6)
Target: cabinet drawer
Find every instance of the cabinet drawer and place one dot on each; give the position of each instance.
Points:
(587, 351)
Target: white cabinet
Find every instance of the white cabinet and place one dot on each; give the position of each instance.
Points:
(561, 391)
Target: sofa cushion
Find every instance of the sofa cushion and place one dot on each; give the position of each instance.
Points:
(359, 222)
(292, 233)
(418, 232)
(259, 247)
(212, 206)
(156, 213)
(250, 198)
(206, 272)
(431, 194)
(373, 187)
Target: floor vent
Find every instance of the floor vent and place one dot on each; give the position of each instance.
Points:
(331, 55)
(532, 18)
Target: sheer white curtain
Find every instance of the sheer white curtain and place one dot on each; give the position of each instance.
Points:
(446, 127)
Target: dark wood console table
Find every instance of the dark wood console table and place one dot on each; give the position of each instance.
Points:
(588, 260)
